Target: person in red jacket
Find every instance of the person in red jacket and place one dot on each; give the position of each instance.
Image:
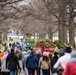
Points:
(71, 65)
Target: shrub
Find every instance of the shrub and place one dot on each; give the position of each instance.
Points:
(30, 40)
(59, 44)
(44, 42)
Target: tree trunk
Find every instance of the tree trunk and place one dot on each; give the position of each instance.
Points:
(64, 33)
(34, 35)
(50, 35)
(37, 35)
(60, 31)
(5, 37)
(62, 18)
(41, 36)
(71, 32)
(0, 38)
(71, 23)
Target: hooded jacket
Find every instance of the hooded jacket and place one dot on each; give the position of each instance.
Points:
(32, 62)
(25, 57)
(12, 62)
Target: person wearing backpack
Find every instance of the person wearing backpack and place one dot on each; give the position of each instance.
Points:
(44, 64)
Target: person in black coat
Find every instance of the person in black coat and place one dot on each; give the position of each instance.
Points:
(38, 55)
(54, 60)
(12, 62)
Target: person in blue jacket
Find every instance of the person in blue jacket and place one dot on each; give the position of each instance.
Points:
(31, 63)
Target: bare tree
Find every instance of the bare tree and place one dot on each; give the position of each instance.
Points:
(72, 15)
(39, 16)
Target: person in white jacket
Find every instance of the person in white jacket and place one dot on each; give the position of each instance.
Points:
(64, 59)
(3, 64)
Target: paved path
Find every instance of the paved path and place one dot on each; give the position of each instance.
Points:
(21, 73)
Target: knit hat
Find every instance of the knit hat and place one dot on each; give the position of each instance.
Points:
(29, 52)
(73, 54)
(68, 50)
(45, 54)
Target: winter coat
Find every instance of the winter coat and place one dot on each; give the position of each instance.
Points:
(62, 61)
(12, 62)
(38, 56)
(70, 69)
(43, 64)
(3, 64)
(53, 60)
(25, 57)
(32, 62)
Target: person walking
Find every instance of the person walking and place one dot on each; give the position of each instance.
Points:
(70, 68)
(38, 55)
(12, 63)
(44, 64)
(24, 61)
(63, 60)
(23, 54)
(31, 64)
(54, 60)
(4, 70)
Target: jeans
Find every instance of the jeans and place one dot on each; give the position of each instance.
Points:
(45, 72)
(13, 72)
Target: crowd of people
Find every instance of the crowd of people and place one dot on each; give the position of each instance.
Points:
(36, 62)
(45, 63)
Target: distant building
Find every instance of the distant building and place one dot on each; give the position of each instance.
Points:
(13, 35)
